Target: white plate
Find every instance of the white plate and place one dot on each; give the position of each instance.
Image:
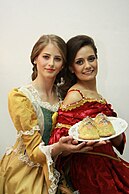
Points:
(119, 125)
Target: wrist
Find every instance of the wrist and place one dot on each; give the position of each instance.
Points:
(56, 149)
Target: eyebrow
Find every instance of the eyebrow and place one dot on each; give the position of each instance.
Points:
(78, 58)
(55, 55)
(91, 55)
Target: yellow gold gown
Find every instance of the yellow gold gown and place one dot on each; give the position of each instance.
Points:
(27, 167)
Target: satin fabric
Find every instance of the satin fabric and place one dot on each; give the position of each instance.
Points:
(100, 171)
(27, 168)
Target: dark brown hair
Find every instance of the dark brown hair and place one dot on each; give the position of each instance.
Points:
(73, 46)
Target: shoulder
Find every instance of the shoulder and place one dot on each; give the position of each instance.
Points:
(15, 93)
(22, 92)
(17, 96)
(19, 105)
(73, 95)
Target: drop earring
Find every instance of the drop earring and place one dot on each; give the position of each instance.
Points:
(61, 82)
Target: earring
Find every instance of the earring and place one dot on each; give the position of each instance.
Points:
(71, 69)
(62, 81)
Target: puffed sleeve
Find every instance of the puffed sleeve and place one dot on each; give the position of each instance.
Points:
(25, 121)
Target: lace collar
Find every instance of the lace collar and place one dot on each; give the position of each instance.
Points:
(41, 103)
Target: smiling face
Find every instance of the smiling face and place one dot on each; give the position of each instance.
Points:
(85, 64)
(49, 62)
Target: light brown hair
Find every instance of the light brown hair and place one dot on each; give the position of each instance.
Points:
(41, 44)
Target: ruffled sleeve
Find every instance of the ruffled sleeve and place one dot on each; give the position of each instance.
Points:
(25, 121)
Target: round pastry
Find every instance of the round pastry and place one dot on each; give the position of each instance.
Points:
(87, 129)
(104, 126)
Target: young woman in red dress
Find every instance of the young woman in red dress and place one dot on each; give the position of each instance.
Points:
(98, 170)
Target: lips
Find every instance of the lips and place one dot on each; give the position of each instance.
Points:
(50, 70)
(88, 72)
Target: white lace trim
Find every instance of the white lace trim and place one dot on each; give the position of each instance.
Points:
(28, 132)
(9, 150)
(37, 98)
(37, 103)
(53, 176)
(37, 108)
(21, 156)
(76, 192)
(24, 158)
(33, 95)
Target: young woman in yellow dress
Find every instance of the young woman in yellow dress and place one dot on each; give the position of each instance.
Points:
(28, 166)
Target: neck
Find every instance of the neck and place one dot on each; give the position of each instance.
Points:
(87, 85)
(44, 87)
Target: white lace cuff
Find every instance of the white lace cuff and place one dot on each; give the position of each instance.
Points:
(53, 176)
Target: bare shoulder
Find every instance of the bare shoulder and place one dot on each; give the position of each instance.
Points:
(73, 95)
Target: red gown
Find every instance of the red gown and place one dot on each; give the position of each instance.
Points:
(99, 171)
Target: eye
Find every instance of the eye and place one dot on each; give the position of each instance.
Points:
(79, 61)
(46, 57)
(91, 58)
(58, 59)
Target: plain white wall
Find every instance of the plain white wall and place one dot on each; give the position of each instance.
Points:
(23, 22)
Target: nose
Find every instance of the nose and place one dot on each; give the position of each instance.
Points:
(51, 62)
(87, 64)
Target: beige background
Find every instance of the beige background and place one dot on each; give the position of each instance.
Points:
(23, 22)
